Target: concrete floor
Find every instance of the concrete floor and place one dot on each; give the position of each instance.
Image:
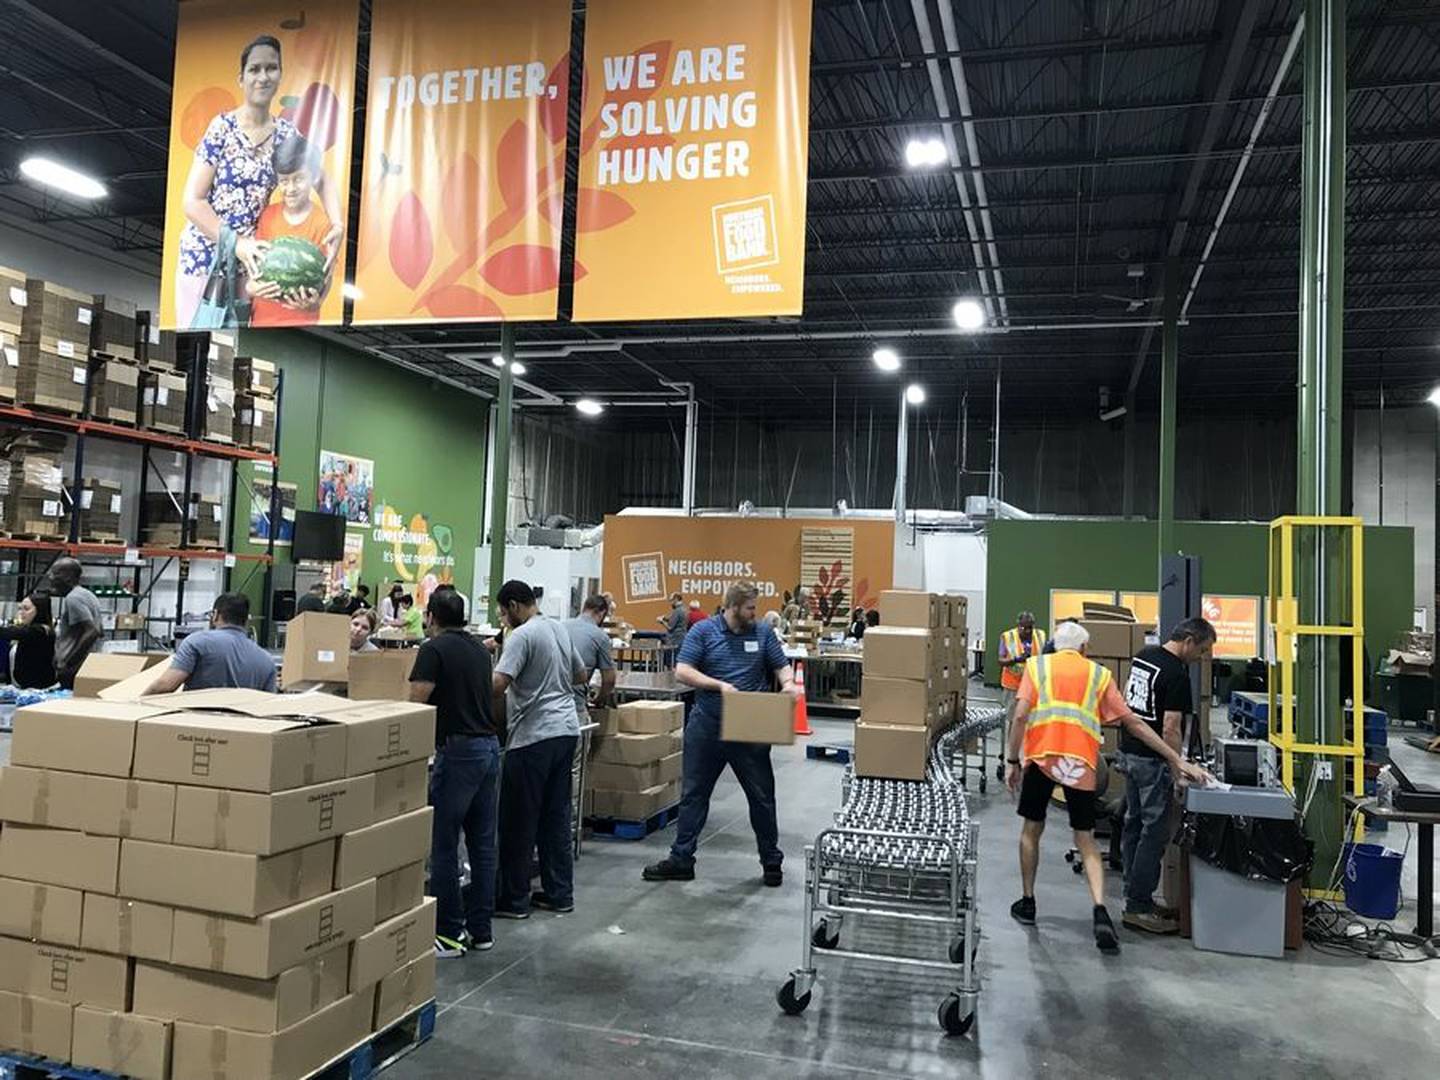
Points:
(679, 980)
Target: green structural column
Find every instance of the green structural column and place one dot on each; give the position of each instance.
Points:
(1320, 580)
(1169, 374)
(500, 483)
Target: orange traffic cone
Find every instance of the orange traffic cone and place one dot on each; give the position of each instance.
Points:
(802, 715)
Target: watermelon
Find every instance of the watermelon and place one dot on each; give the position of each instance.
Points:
(293, 262)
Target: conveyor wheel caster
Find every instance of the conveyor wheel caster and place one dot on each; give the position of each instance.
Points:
(950, 1018)
(1000, 771)
(821, 940)
(957, 950)
(789, 1004)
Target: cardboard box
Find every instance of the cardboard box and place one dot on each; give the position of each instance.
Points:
(957, 608)
(1112, 666)
(627, 749)
(121, 1044)
(244, 753)
(63, 973)
(399, 791)
(399, 890)
(317, 649)
(902, 607)
(381, 676)
(226, 882)
(404, 991)
(254, 375)
(123, 927)
(112, 326)
(115, 390)
(897, 701)
(899, 652)
(218, 1053)
(255, 422)
(635, 777)
(58, 857)
(392, 945)
(891, 751)
(677, 743)
(650, 717)
(607, 721)
(93, 737)
(164, 397)
(1109, 640)
(265, 824)
(635, 805)
(42, 797)
(384, 734)
(262, 1005)
(99, 805)
(101, 670)
(757, 718)
(35, 1026)
(264, 947)
(389, 845)
(39, 912)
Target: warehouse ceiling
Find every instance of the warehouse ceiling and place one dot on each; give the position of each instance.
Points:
(1102, 136)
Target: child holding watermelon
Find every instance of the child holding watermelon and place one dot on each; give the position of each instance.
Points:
(295, 274)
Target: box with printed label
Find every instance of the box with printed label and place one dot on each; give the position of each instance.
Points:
(106, 669)
(399, 890)
(265, 824)
(58, 857)
(35, 1026)
(218, 1053)
(904, 607)
(384, 734)
(381, 676)
(227, 882)
(164, 399)
(399, 791)
(891, 751)
(317, 649)
(113, 924)
(757, 718)
(244, 753)
(392, 945)
(625, 749)
(651, 717)
(96, 737)
(635, 777)
(115, 390)
(255, 422)
(217, 419)
(255, 376)
(112, 325)
(38, 912)
(263, 947)
(121, 1044)
(66, 974)
(263, 1005)
(368, 853)
(404, 991)
(899, 652)
(635, 805)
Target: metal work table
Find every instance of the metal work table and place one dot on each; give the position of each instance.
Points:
(1425, 870)
(657, 685)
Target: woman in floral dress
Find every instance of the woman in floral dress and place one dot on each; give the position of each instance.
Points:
(232, 178)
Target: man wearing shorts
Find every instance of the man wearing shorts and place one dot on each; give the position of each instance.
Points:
(1063, 701)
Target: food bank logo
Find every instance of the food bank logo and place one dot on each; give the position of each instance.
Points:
(644, 577)
(745, 235)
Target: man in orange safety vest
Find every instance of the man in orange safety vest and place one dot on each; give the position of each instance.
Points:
(1017, 645)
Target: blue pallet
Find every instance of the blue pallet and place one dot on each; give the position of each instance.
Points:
(619, 829)
(819, 752)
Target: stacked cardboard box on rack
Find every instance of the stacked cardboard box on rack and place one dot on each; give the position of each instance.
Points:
(114, 390)
(100, 505)
(164, 400)
(255, 421)
(217, 419)
(221, 883)
(54, 347)
(200, 526)
(255, 376)
(12, 310)
(913, 682)
(636, 758)
(32, 488)
(112, 327)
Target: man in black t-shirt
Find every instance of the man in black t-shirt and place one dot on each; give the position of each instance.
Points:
(1158, 691)
(452, 672)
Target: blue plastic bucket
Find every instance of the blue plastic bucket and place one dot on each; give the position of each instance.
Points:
(1372, 880)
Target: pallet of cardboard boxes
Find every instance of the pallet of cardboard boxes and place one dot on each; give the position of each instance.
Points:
(636, 760)
(32, 489)
(55, 330)
(12, 310)
(913, 682)
(221, 883)
(256, 381)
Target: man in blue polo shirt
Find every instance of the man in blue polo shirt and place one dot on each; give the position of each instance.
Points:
(728, 652)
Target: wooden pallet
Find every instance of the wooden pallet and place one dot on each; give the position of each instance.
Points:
(112, 541)
(619, 829)
(39, 538)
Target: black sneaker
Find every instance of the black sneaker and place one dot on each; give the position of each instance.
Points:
(1023, 911)
(774, 876)
(474, 944)
(668, 869)
(1106, 940)
(541, 901)
(505, 913)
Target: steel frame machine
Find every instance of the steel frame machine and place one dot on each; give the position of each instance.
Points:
(901, 854)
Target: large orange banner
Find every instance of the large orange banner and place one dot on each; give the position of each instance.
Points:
(1236, 620)
(464, 174)
(259, 171)
(693, 159)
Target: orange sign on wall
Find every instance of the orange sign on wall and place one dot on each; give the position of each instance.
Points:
(693, 159)
(648, 558)
(1237, 625)
(464, 176)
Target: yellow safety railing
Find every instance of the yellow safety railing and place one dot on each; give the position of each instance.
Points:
(1284, 617)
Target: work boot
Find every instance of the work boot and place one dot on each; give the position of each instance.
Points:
(669, 869)
(544, 903)
(1150, 922)
(1023, 911)
(1106, 940)
(774, 876)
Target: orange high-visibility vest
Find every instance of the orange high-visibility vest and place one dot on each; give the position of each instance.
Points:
(1062, 734)
(1014, 649)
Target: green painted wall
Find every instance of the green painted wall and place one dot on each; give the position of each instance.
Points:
(427, 441)
(1026, 559)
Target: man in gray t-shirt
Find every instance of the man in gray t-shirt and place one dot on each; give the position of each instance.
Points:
(676, 621)
(79, 623)
(222, 657)
(593, 646)
(538, 672)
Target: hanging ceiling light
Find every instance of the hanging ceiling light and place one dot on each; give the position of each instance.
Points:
(925, 153)
(589, 407)
(969, 315)
(52, 174)
(498, 360)
(517, 368)
(886, 359)
(915, 394)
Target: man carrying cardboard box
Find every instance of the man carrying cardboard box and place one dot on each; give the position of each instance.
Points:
(1063, 701)
(728, 652)
(452, 672)
(222, 657)
(1017, 645)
